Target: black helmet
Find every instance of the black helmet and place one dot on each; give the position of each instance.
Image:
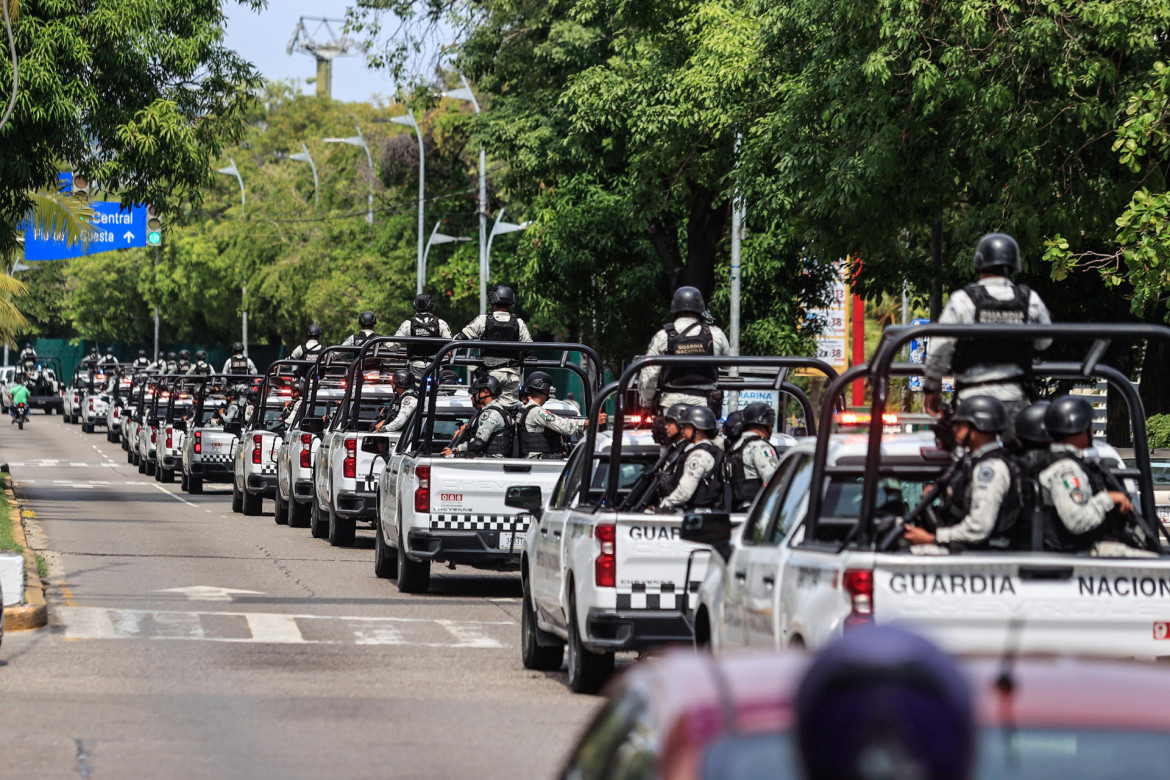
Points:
(687, 299)
(733, 426)
(983, 413)
(109, 350)
(313, 331)
(422, 302)
(676, 413)
(449, 377)
(403, 379)
(997, 250)
(502, 295)
(1068, 416)
(702, 418)
(488, 383)
(142, 353)
(170, 356)
(201, 355)
(1030, 425)
(237, 347)
(759, 413)
(883, 699)
(367, 319)
(538, 382)
(185, 354)
(28, 345)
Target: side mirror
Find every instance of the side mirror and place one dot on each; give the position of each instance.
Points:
(526, 497)
(709, 528)
(312, 425)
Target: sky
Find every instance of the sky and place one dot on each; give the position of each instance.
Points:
(262, 38)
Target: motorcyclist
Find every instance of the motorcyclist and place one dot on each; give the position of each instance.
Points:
(689, 333)
(489, 432)
(500, 325)
(698, 478)
(19, 395)
(184, 364)
(424, 324)
(312, 346)
(201, 367)
(239, 363)
(753, 459)
(540, 432)
(393, 417)
(366, 322)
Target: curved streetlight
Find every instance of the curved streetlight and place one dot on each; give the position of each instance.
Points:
(436, 238)
(358, 140)
(232, 170)
(499, 228)
(409, 121)
(465, 93)
(305, 157)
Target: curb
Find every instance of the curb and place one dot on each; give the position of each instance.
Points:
(34, 612)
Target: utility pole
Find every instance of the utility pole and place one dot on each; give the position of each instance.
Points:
(323, 45)
(244, 319)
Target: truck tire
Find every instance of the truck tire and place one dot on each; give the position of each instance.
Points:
(166, 476)
(318, 520)
(237, 501)
(385, 559)
(250, 504)
(141, 462)
(85, 428)
(546, 657)
(195, 485)
(64, 417)
(183, 484)
(129, 456)
(413, 576)
(342, 530)
(151, 466)
(587, 671)
(280, 510)
(298, 514)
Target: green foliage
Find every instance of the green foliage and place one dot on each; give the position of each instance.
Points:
(1158, 428)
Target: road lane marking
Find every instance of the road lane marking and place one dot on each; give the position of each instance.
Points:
(274, 629)
(177, 498)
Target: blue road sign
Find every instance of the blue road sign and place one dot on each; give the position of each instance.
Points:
(114, 229)
(65, 182)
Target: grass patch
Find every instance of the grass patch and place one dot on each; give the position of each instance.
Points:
(7, 541)
(42, 568)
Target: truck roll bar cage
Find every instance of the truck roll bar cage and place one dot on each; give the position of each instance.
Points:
(199, 387)
(882, 366)
(397, 360)
(266, 383)
(320, 369)
(622, 386)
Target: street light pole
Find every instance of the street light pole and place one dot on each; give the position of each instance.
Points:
(409, 121)
(305, 157)
(499, 228)
(466, 94)
(357, 140)
(232, 170)
(436, 238)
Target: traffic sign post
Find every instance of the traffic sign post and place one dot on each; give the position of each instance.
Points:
(114, 228)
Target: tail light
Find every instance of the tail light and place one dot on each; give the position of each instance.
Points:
(858, 583)
(256, 440)
(349, 465)
(170, 432)
(605, 567)
(91, 404)
(116, 415)
(198, 448)
(306, 450)
(154, 435)
(422, 494)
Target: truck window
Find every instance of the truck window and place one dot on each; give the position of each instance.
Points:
(765, 505)
(561, 495)
(792, 506)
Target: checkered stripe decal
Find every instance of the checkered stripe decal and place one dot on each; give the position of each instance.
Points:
(268, 469)
(641, 595)
(214, 457)
(478, 523)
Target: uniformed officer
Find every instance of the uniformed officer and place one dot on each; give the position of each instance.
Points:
(366, 322)
(184, 364)
(312, 346)
(402, 409)
(732, 430)
(424, 324)
(690, 333)
(1093, 512)
(108, 359)
(998, 368)
(490, 431)
(201, 367)
(753, 459)
(543, 434)
(239, 363)
(500, 325)
(699, 480)
(1032, 439)
(141, 362)
(448, 382)
(171, 364)
(28, 353)
(90, 360)
(983, 503)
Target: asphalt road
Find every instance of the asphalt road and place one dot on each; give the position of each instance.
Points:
(307, 666)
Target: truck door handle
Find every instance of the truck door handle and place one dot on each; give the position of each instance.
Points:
(769, 582)
(557, 533)
(741, 576)
(517, 469)
(1046, 573)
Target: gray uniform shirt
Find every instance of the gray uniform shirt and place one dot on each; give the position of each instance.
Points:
(491, 419)
(960, 310)
(227, 366)
(988, 486)
(302, 351)
(535, 422)
(1071, 494)
(477, 327)
(648, 378)
(697, 464)
(407, 405)
(759, 457)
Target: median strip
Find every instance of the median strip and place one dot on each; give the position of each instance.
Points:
(32, 612)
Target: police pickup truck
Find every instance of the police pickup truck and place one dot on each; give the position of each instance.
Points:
(351, 454)
(451, 509)
(146, 442)
(120, 395)
(94, 401)
(42, 377)
(254, 466)
(209, 443)
(71, 399)
(811, 563)
(599, 574)
(294, 461)
(176, 400)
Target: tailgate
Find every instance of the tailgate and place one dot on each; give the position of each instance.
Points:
(1051, 603)
(652, 562)
(468, 494)
(216, 445)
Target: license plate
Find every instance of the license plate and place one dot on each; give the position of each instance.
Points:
(506, 541)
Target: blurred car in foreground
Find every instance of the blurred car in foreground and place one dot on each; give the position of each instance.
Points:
(689, 715)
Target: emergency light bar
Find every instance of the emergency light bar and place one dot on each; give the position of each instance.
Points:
(863, 418)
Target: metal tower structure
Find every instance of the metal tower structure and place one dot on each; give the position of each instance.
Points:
(324, 45)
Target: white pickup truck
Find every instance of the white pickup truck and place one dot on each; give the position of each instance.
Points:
(808, 564)
(94, 400)
(176, 410)
(209, 447)
(116, 409)
(254, 467)
(71, 401)
(435, 509)
(294, 461)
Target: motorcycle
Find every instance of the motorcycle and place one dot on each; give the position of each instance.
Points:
(19, 414)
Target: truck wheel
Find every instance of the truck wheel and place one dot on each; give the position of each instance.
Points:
(385, 561)
(587, 671)
(342, 530)
(413, 576)
(237, 501)
(280, 512)
(195, 485)
(65, 417)
(151, 466)
(250, 504)
(318, 520)
(141, 464)
(166, 475)
(545, 657)
(298, 514)
(183, 484)
(110, 436)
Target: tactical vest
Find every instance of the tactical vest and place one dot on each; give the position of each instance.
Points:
(500, 330)
(311, 352)
(696, 339)
(995, 352)
(710, 491)
(183, 366)
(1007, 531)
(360, 338)
(500, 442)
(202, 369)
(171, 367)
(1057, 537)
(237, 364)
(743, 490)
(141, 362)
(544, 442)
(422, 326)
